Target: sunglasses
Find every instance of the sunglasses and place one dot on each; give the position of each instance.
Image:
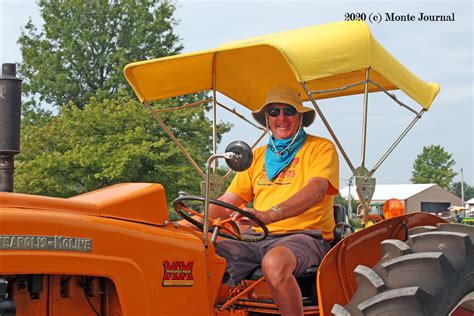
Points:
(275, 112)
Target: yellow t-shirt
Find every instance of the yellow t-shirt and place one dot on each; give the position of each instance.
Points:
(317, 158)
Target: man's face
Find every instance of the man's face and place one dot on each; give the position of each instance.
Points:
(283, 120)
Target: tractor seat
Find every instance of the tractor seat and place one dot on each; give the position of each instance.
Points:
(307, 281)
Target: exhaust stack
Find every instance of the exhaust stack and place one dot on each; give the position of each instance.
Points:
(10, 113)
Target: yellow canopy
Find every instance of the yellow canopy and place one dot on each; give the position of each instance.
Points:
(325, 57)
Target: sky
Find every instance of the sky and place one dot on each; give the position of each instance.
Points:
(435, 51)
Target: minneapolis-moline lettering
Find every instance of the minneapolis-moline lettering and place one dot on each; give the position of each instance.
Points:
(27, 242)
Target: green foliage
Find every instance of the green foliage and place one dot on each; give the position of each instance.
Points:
(342, 201)
(468, 190)
(111, 141)
(85, 44)
(434, 165)
(199, 206)
(354, 222)
(173, 216)
(33, 114)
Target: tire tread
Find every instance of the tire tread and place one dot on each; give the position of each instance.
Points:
(426, 275)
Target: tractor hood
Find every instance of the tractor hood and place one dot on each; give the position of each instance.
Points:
(138, 202)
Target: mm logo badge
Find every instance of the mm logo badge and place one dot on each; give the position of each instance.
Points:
(178, 273)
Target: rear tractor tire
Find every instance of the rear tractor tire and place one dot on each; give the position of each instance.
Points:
(429, 274)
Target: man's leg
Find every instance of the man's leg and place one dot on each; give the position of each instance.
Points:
(241, 257)
(278, 266)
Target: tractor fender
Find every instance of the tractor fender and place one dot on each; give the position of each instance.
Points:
(336, 278)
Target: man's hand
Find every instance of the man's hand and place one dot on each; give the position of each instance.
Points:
(266, 217)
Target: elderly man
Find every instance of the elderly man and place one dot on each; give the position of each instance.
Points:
(292, 181)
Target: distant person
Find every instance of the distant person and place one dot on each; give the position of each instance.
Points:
(393, 207)
(457, 217)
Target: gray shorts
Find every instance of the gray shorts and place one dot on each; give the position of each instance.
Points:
(243, 258)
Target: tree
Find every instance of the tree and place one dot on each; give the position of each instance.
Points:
(85, 44)
(468, 190)
(339, 199)
(434, 165)
(98, 134)
(112, 141)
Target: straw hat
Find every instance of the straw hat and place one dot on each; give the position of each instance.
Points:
(286, 95)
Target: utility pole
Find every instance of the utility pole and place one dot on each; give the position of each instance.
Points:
(349, 198)
(462, 187)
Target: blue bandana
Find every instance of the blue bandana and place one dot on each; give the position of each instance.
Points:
(275, 163)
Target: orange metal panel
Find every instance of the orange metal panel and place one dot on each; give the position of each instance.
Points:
(131, 254)
(25, 304)
(142, 202)
(75, 304)
(232, 312)
(112, 304)
(64, 295)
(26, 201)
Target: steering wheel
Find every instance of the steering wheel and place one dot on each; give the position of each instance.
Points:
(233, 231)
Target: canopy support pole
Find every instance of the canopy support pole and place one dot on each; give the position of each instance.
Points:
(214, 112)
(338, 89)
(173, 138)
(393, 97)
(185, 106)
(364, 119)
(233, 111)
(397, 141)
(328, 127)
(390, 95)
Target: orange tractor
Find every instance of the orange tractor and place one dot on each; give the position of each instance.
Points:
(114, 251)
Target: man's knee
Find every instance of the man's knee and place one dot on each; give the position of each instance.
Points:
(279, 264)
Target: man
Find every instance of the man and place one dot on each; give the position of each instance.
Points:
(291, 182)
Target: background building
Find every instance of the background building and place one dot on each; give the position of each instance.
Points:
(470, 204)
(429, 198)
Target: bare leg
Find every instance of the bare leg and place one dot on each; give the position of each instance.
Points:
(278, 266)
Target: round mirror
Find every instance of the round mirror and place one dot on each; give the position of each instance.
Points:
(242, 158)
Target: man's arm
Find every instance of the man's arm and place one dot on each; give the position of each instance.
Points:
(297, 204)
(216, 211)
